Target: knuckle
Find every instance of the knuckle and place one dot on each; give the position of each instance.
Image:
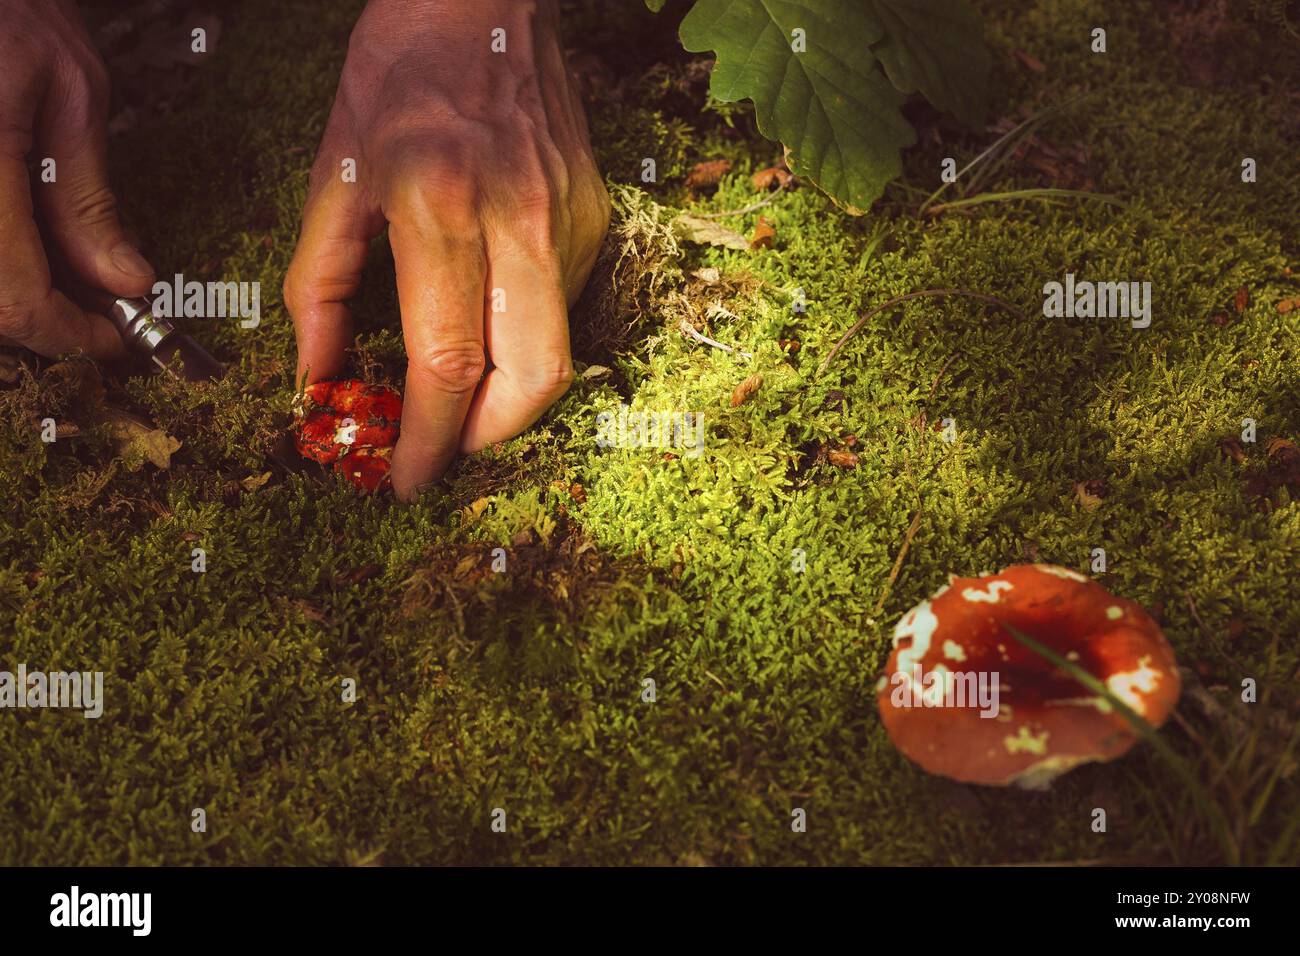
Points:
(453, 368)
(291, 291)
(536, 211)
(419, 192)
(325, 168)
(596, 218)
(17, 320)
(94, 75)
(534, 202)
(431, 196)
(85, 89)
(95, 206)
(545, 382)
(605, 207)
(536, 238)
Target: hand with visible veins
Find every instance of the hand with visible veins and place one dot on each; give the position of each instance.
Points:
(480, 164)
(53, 106)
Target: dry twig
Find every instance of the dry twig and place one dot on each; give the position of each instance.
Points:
(897, 300)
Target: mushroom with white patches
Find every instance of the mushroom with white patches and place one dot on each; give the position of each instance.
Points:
(988, 595)
(1046, 722)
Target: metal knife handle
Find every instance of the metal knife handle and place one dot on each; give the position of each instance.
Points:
(148, 334)
(140, 329)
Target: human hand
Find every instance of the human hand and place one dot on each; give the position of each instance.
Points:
(480, 164)
(53, 106)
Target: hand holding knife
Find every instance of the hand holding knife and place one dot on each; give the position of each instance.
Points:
(151, 335)
(179, 355)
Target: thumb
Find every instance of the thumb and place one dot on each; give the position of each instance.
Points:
(76, 200)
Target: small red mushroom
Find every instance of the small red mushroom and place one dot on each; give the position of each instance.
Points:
(366, 468)
(352, 425)
(963, 698)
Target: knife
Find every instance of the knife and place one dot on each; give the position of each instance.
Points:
(180, 355)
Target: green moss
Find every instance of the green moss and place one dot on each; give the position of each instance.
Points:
(523, 689)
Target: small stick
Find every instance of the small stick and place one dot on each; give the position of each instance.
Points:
(898, 562)
(748, 209)
(1196, 615)
(934, 387)
(687, 329)
(982, 296)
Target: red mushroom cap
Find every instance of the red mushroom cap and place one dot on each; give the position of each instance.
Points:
(318, 436)
(351, 396)
(366, 468)
(339, 420)
(1038, 721)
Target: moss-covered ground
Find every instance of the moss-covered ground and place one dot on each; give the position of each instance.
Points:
(524, 690)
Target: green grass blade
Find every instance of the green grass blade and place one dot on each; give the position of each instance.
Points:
(1209, 809)
(1026, 194)
(1262, 800)
(995, 154)
(1282, 845)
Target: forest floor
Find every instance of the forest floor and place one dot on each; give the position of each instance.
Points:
(524, 690)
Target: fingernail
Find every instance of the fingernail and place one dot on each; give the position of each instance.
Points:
(126, 258)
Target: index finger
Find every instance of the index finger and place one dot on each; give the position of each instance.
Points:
(337, 226)
(440, 287)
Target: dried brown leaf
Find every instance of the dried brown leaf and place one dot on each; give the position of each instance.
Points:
(83, 379)
(1088, 495)
(1283, 450)
(138, 442)
(357, 575)
(746, 390)
(1241, 299)
(10, 368)
(309, 611)
(1030, 62)
(1233, 448)
(764, 234)
(708, 232)
(774, 177)
(253, 482)
(707, 174)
